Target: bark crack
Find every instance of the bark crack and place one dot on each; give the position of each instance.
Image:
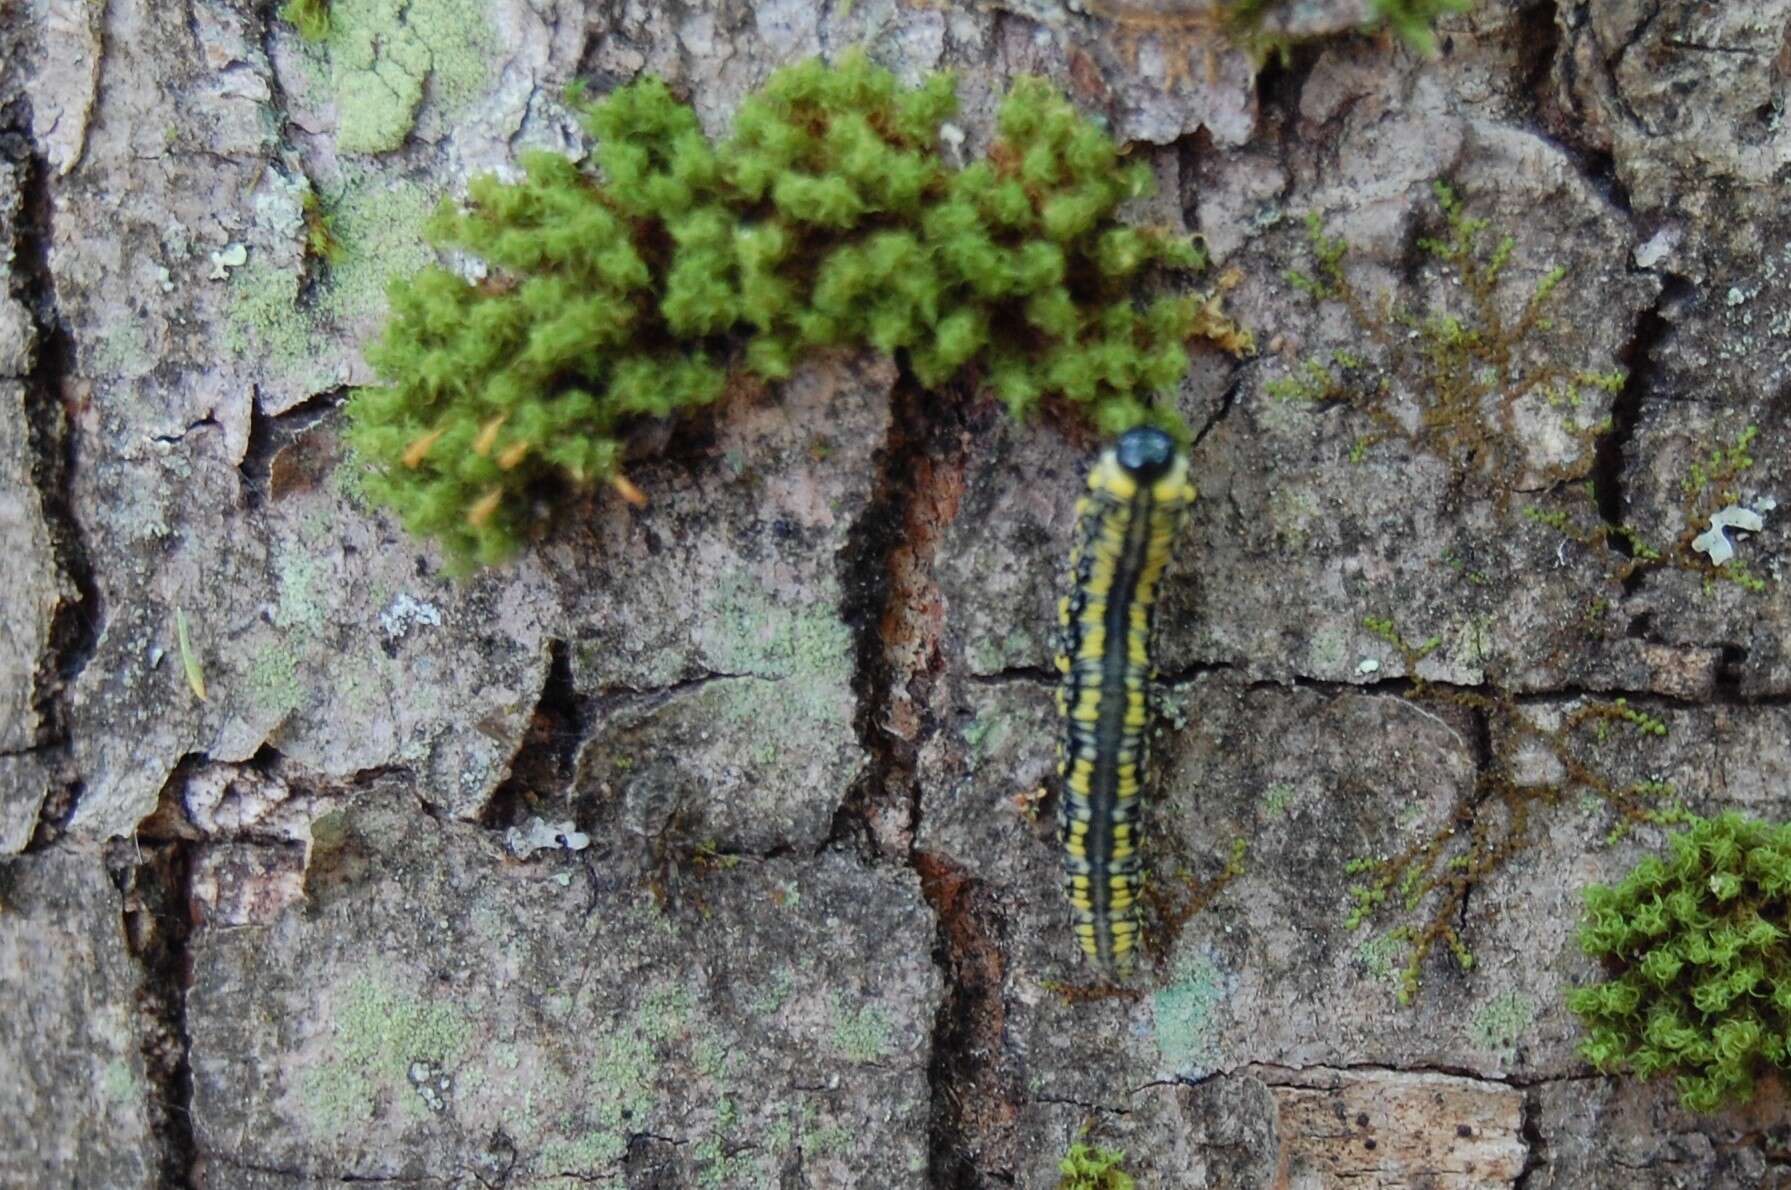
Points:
(1275, 1074)
(269, 433)
(50, 389)
(1610, 452)
(894, 606)
(886, 563)
(1535, 1144)
(542, 767)
(155, 882)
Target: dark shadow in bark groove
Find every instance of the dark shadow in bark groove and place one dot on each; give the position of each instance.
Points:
(50, 394)
(866, 591)
(975, 1109)
(546, 761)
(154, 878)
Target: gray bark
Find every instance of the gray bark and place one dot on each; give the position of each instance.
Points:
(698, 846)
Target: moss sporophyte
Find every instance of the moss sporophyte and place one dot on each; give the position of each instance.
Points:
(645, 285)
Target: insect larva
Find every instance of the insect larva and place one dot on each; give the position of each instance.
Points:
(1137, 493)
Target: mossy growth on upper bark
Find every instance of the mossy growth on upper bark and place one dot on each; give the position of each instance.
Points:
(641, 287)
(1700, 969)
(1257, 27)
(1452, 380)
(310, 17)
(1089, 1167)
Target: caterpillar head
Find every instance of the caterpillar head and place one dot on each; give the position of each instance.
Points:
(1146, 453)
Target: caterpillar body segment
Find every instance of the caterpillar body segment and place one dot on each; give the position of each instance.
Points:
(1138, 492)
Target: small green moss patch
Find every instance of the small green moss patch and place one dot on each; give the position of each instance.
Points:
(1699, 973)
(1090, 1167)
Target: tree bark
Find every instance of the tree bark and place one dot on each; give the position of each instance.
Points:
(710, 842)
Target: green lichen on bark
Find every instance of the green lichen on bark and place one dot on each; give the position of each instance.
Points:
(354, 240)
(382, 57)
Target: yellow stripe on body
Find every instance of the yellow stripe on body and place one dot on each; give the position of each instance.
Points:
(1121, 547)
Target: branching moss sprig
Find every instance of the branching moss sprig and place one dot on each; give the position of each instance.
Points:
(1710, 484)
(310, 17)
(642, 285)
(1174, 895)
(1090, 1167)
(1462, 364)
(1491, 823)
(1694, 943)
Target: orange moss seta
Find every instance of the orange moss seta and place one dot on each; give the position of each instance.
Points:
(415, 453)
(483, 507)
(488, 434)
(626, 489)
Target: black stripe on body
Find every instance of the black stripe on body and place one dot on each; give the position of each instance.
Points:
(1112, 558)
(1112, 740)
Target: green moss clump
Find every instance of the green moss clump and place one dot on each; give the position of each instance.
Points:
(1411, 20)
(1086, 1167)
(642, 287)
(1700, 984)
(310, 17)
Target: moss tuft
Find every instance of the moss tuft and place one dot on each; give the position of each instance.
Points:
(310, 17)
(1411, 20)
(1089, 1167)
(1694, 942)
(321, 239)
(826, 219)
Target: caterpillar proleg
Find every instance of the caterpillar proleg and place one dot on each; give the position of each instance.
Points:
(1138, 491)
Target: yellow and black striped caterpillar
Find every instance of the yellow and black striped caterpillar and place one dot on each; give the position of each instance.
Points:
(1137, 494)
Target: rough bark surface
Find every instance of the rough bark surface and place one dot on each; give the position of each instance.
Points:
(703, 845)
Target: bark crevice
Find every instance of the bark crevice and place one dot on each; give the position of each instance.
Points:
(154, 879)
(51, 389)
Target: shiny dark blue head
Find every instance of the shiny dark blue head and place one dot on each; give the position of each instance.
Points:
(1145, 452)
